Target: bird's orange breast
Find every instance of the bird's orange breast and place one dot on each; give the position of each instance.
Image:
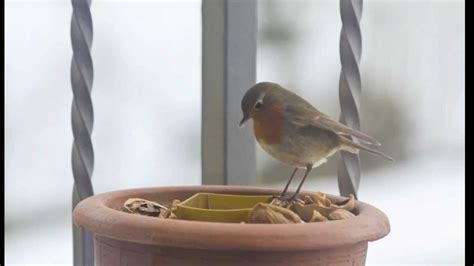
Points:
(267, 124)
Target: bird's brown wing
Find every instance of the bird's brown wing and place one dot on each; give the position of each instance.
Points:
(305, 114)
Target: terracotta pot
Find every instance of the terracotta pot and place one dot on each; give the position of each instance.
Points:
(128, 239)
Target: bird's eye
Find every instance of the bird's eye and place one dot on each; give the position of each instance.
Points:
(258, 105)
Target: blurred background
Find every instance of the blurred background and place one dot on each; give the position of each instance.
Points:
(147, 104)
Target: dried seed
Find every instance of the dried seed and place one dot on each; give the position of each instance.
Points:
(348, 204)
(321, 199)
(142, 206)
(318, 217)
(169, 213)
(308, 200)
(272, 214)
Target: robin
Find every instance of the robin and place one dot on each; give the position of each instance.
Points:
(294, 132)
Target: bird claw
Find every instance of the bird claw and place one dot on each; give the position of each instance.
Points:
(283, 201)
(276, 196)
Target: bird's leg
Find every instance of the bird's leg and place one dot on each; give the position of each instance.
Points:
(308, 169)
(280, 196)
(288, 183)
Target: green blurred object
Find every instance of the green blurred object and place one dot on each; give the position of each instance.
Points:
(212, 207)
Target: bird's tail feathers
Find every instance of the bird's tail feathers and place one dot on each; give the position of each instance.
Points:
(350, 146)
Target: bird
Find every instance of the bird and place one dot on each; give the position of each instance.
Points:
(294, 132)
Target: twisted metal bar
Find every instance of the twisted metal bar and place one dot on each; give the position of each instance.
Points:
(82, 117)
(350, 49)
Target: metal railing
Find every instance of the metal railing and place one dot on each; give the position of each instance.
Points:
(350, 50)
(82, 118)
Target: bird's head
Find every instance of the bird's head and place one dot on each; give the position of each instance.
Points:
(259, 97)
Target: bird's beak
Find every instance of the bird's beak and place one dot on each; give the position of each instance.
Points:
(244, 119)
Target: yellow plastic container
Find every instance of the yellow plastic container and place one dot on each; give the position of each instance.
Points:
(224, 208)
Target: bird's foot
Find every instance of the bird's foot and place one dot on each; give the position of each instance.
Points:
(293, 198)
(276, 199)
(276, 196)
(284, 200)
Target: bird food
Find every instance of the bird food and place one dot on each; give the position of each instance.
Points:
(315, 207)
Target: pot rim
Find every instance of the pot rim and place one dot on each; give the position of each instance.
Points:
(96, 215)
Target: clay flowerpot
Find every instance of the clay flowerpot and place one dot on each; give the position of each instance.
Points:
(129, 239)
